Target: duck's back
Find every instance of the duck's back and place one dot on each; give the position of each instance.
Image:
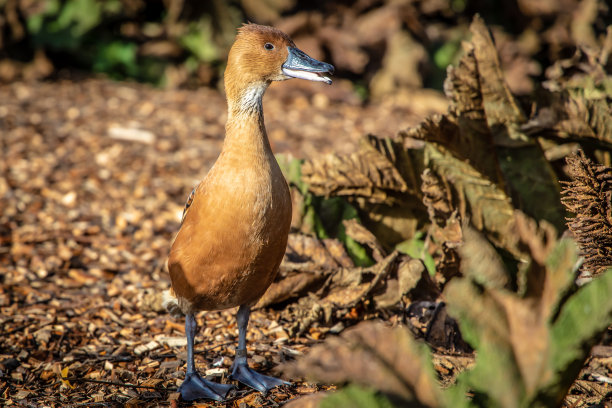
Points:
(234, 234)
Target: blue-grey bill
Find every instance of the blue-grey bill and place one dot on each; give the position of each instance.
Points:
(300, 65)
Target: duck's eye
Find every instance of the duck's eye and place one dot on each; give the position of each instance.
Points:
(269, 46)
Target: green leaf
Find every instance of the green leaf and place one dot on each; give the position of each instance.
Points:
(496, 379)
(415, 248)
(354, 396)
(447, 54)
(356, 251)
(516, 365)
(35, 22)
(79, 16)
(292, 170)
(116, 55)
(582, 319)
(200, 42)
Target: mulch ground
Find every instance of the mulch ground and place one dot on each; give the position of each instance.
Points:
(93, 178)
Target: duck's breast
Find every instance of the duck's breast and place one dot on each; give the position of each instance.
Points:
(234, 236)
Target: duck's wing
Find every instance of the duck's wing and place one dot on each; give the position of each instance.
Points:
(188, 204)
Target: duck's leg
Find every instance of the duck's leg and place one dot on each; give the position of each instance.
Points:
(240, 369)
(194, 386)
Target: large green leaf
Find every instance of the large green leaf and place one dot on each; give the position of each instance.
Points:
(356, 397)
(512, 334)
(581, 321)
(478, 199)
(534, 186)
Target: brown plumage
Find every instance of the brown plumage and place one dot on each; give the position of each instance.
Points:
(236, 221)
(234, 233)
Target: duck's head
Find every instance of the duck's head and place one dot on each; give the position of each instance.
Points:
(264, 54)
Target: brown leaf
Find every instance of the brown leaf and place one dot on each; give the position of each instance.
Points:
(307, 264)
(476, 199)
(480, 261)
(373, 355)
(483, 128)
(371, 173)
(319, 254)
(410, 282)
(347, 287)
(294, 284)
(381, 178)
(513, 328)
(401, 66)
(501, 109)
(445, 230)
(362, 235)
(430, 321)
(345, 49)
(268, 11)
(589, 197)
(533, 185)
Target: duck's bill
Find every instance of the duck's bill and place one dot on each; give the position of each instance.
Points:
(300, 65)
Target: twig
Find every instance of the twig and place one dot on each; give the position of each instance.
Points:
(118, 384)
(19, 328)
(204, 351)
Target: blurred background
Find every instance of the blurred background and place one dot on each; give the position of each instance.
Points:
(380, 46)
(112, 111)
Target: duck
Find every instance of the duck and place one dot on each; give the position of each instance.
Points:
(236, 221)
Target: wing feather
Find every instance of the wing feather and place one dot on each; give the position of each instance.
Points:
(188, 204)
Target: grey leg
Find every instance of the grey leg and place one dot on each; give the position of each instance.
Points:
(240, 369)
(194, 386)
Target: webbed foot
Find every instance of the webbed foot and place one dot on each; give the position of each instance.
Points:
(260, 382)
(195, 387)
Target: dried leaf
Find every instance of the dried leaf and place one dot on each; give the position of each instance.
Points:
(64, 376)
(373, 355)
(400, 65)
(371, 173)
(347, 287)
(577, 107)
(574, 118)
(445, 229)
(360, 234)
(412, 283)
(318, 254)
(292, 285)
(518, 332)
(307, 264)
(589, 197)
(529, 176)
(480, 261)
(476, 198)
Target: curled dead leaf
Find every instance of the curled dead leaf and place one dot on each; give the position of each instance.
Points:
(373, 355)
(589, 197)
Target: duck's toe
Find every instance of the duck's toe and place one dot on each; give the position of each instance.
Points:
(195, 387)
(260, 382)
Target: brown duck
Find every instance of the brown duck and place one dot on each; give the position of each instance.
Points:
(236, 221)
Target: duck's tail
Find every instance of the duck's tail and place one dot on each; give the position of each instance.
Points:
(171, 304)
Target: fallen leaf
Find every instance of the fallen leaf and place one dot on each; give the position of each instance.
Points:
(373, 355)
(589, 197)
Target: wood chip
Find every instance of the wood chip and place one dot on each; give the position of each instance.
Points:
(143, 348)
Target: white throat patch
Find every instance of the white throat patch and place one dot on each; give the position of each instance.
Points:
(251, 98)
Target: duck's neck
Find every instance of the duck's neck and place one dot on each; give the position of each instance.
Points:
(245, 128)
